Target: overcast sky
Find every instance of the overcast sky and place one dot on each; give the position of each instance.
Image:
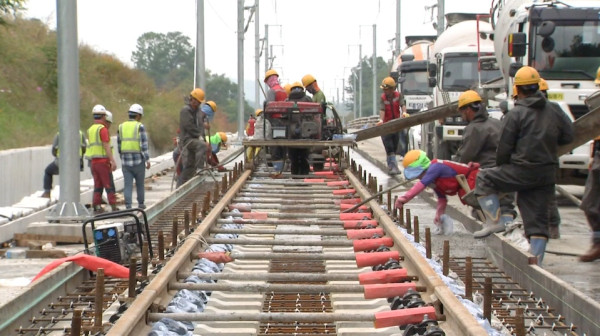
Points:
(319, 37)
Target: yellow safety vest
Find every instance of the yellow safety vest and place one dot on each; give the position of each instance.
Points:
(81, 144)
(95, 149)
(129, 133)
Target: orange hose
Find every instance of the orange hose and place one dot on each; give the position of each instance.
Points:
(402, 317)
(364, 233)
(375, 258)
(371, 244)
(385, 276)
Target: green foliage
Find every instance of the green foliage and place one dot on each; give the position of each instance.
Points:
(367, 84)
(8, 7)
(165, 58)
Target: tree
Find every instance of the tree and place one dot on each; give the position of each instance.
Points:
(8, 7)
(367, 84)
(165, 58)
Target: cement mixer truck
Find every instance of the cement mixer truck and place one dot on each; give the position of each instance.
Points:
(456, 58)
(561, 39)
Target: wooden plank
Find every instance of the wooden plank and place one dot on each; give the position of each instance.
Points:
(298, 142)
(45, 254)
(397, 125)
(586, 128)
(22, 238)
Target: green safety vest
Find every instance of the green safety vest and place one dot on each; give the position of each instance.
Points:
(129, 133)
(95, 149)
(81, 144)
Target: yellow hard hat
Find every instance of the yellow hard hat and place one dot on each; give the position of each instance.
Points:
(543, 85)
(197, 94)
(296, 84)
(307, 80)
(468, 97)
(258, 112)
(212, 105)
(515, 94)
(597, 80)
(527, 76)
(223, 136)
(288, 88)
(270, 73)
(388, 83)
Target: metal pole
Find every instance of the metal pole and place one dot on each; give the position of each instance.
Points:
(240, 33)
(440, 18)
(256, 55)
(200, 79)
(68, 206)
(398, 18)
(375, 112)
(355, 109)
(360, 85)
(266, 47)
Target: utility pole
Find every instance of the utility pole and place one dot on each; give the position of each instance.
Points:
(440, 18)
(256, 56)
(240, 45)
(375, 112)
(398, 18)
(360, 81)
(68, 207)
(200, 78)
(266, 47)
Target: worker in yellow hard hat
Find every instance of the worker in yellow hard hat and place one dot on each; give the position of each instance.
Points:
(217, 141)
(391, 106)
(275, 91)
(479, 144)
(262, 131)
(192, 146)
(310, 84)
(526, 161)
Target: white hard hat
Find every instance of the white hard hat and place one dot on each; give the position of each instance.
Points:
(109, 116)
(136, 108)
(99, 109)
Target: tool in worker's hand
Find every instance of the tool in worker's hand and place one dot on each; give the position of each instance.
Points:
(376, 195)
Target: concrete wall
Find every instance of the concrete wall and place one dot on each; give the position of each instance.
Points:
(22, 171)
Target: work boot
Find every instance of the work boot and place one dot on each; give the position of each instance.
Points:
(98, 209)
(592, 254)
(554, 232)
(278, 166)
(490, 205)
(221, 169)
(46, 194)
(114, 207)
(392, 165)
(537, 247)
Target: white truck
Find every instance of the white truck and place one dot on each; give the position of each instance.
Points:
(456, 56)
(561, 39)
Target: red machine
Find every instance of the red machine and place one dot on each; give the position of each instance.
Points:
(295, 120)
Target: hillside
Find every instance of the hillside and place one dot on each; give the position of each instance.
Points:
(28, 90)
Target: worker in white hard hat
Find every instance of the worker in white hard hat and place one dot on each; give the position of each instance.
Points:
(132, 143)
(102, 160)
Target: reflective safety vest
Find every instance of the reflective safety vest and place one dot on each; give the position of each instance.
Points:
(129, 133)
(81, 144)
(95, 149)
(391, 108)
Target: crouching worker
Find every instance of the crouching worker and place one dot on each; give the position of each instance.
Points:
(439, 175)
(217, 141)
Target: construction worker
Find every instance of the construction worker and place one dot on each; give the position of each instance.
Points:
(217, 141)
(299, 156)
(275, 93)
(191, 138)
(132, 143)
(438, 173)
(250, 127)
(262, 131)
(590, 203)
(526, 160)
(479, 144)
(391, 107)
(209, 109)
(52, 167)
(310, 84)
(287, 88)
(102, 160)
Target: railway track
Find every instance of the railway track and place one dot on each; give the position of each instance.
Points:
(301, 267)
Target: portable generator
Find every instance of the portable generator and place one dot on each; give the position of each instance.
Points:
(295, 120)
(117, 242)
